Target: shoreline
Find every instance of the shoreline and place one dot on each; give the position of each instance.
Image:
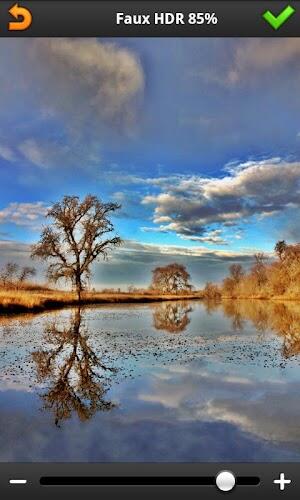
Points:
(15, 302)
(280, 298)
(18, 302)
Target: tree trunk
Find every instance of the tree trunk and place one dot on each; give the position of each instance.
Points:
(78, 287)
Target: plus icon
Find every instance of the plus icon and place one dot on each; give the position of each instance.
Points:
(282, 482)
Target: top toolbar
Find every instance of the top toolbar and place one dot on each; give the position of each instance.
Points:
(150, 18)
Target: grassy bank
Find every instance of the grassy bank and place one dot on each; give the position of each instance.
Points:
(19, 301)
(252, 298)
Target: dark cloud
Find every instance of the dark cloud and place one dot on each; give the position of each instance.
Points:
(134, 261)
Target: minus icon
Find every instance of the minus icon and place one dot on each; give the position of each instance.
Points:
(18, 481)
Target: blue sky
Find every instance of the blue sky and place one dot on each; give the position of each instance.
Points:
(198, 139)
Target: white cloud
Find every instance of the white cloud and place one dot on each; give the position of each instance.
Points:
(212, 237)
(23, 214)
(82, 92)
(87, 80)
(249, 404)
(243, 61)
(7, 153)
(9, 247)
(262, 55)
(173, 251)
(189, 206)
(47, 154)
(33, 152)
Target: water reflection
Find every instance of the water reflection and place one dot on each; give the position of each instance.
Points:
(172, 317)
(72, 371)
(218, 390)
(281, 318)
(211, 305)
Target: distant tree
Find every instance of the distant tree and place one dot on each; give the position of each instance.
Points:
(76, 238)
(12, 274)
(292, 254)
(25, 273)
(259, 268)
(8, 273)
(265, 279)
(280, 249)
(173, 278)
(211, 291)
(229, 285)
(236, 272)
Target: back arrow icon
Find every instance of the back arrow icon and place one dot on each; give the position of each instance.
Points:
(20, 12)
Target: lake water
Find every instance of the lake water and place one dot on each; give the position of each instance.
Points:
(174, 381)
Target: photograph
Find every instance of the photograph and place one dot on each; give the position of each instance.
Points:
(149, 249)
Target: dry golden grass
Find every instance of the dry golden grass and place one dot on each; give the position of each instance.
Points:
(275, 279)
(16, 301)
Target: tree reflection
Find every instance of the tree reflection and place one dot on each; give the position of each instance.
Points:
(73, 372)
(172, 317)
(211, 305)
(281, 318)
(286, 320)
(237, 318)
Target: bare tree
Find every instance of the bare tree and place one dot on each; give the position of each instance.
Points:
(259, 268)
(173, 278)
(8, 273)
(280, 249)
(77, 236)
(236, 272)
(12, 275)
(211, 291)
(26, 272)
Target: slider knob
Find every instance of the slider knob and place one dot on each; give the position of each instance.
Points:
(225, 480)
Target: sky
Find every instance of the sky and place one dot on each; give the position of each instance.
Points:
(197, 139)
